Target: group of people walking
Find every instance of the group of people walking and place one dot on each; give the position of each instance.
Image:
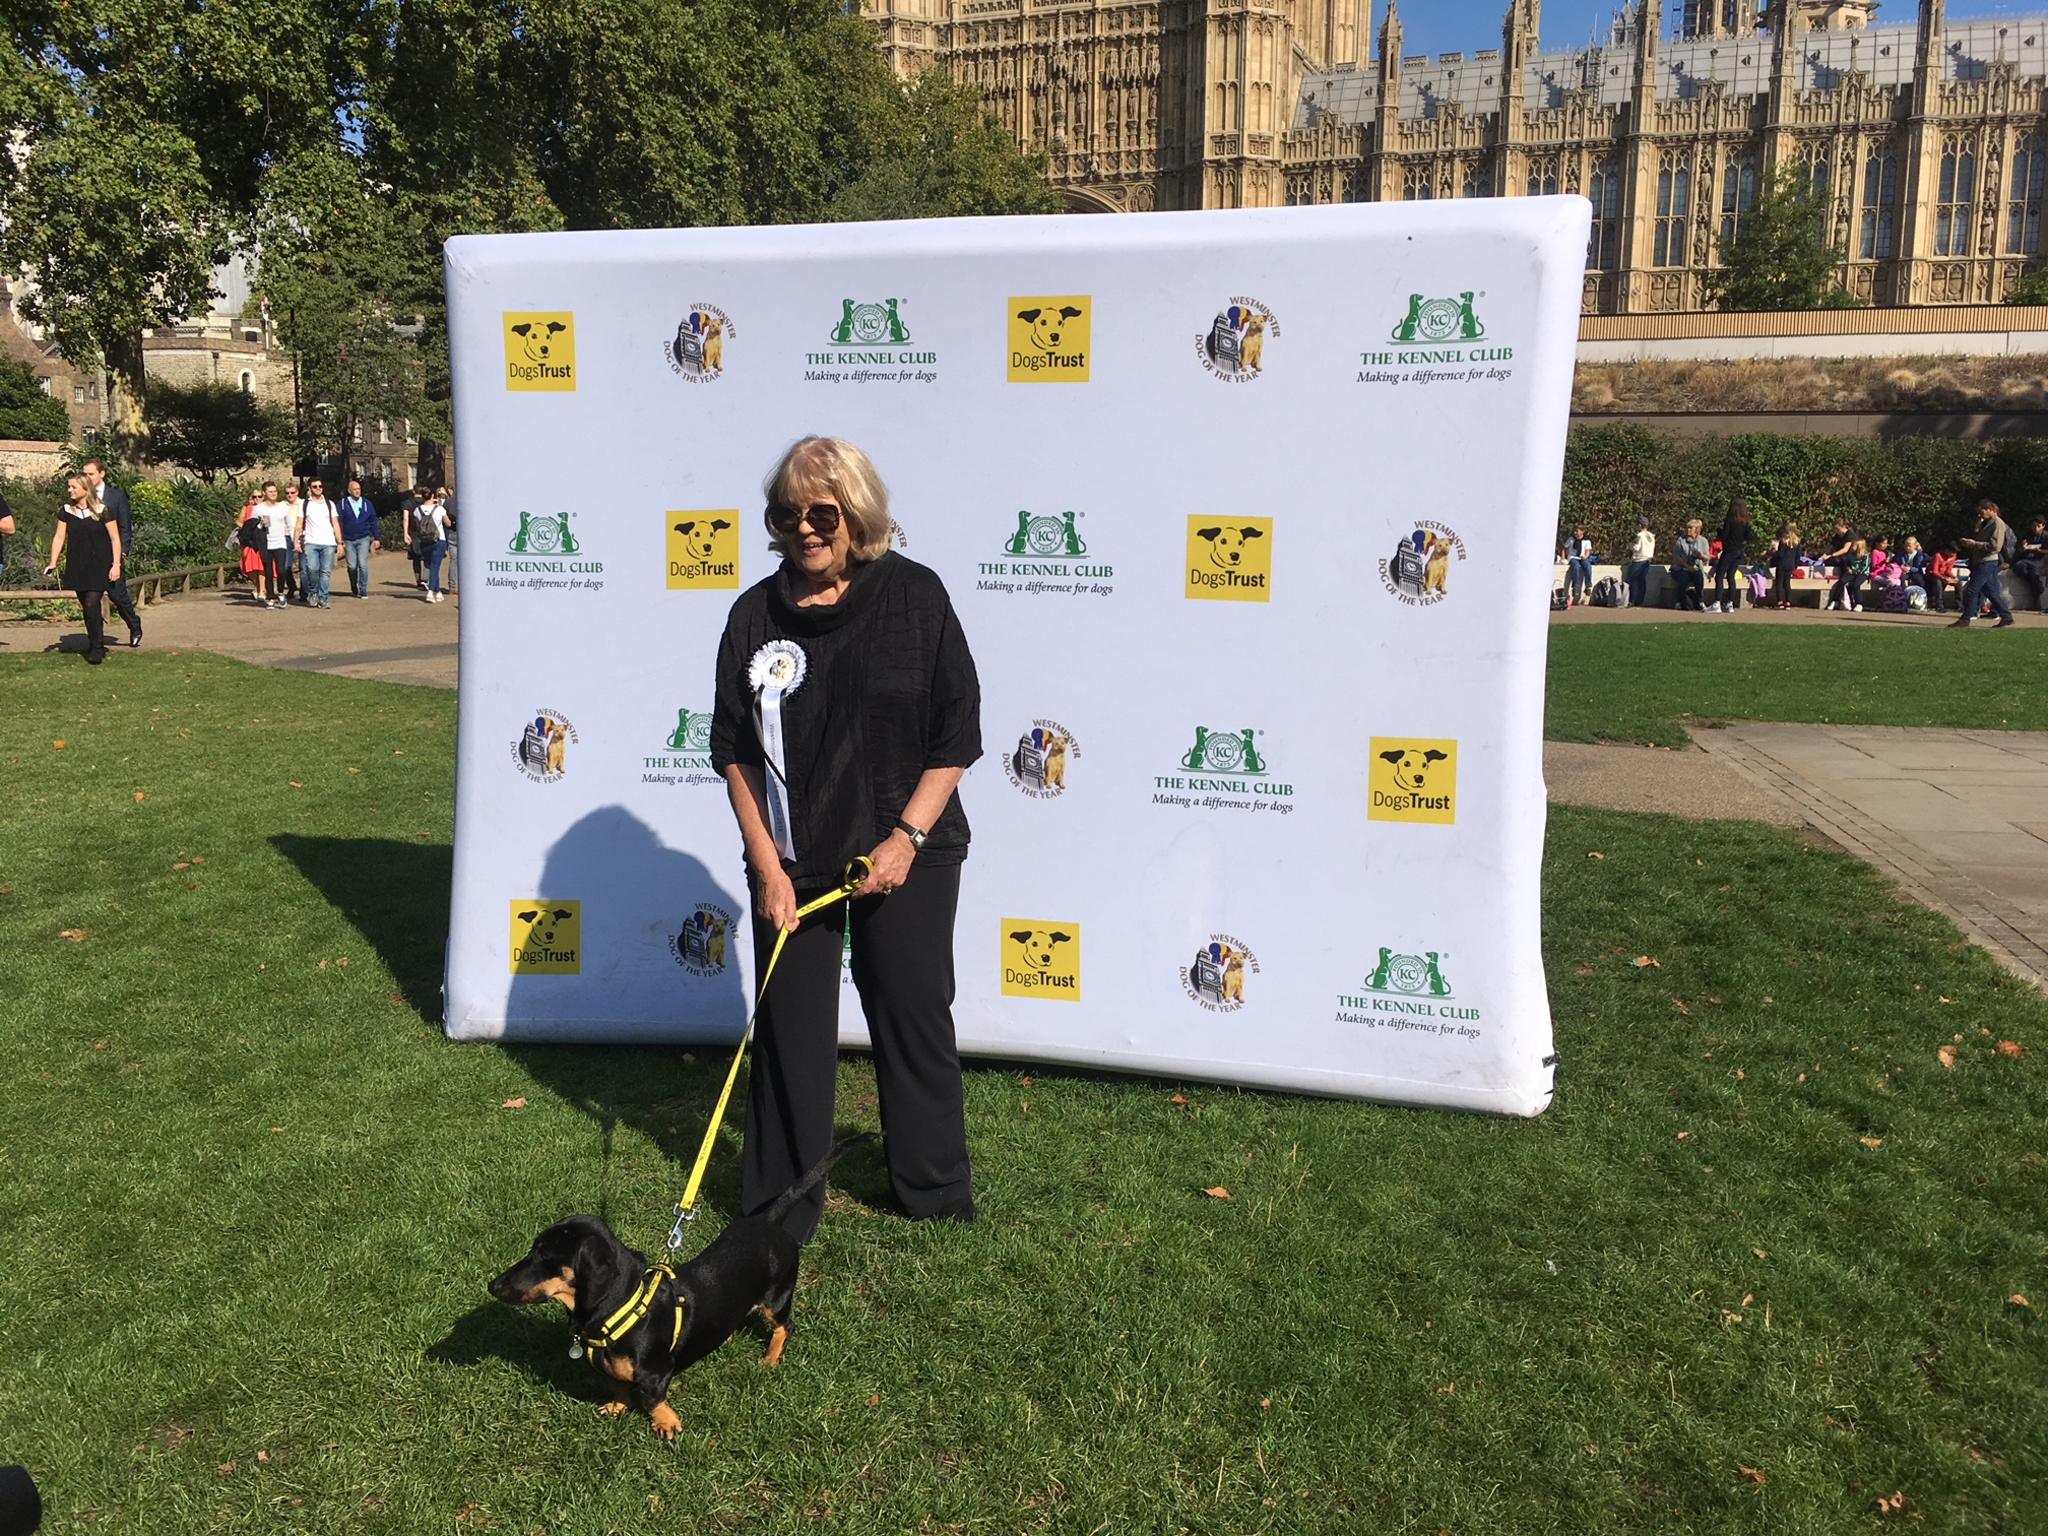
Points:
(289, 545)
(1963, 577)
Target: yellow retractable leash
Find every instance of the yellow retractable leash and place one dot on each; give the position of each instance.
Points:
(686, 1208)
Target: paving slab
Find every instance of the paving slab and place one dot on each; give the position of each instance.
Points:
(1686, 782)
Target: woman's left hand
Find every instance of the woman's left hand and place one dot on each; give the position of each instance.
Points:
(115, 573)
(891, 857)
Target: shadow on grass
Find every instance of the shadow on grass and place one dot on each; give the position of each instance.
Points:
(396, 894)
(533, 1339)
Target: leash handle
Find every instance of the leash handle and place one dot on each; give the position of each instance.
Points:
(852, 879)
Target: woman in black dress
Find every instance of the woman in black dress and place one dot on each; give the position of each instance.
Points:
(873, 737)
(91, 549)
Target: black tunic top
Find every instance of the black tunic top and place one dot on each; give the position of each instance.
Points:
(889, 691)
(88, 553)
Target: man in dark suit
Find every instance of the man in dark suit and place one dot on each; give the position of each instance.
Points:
(115, 502)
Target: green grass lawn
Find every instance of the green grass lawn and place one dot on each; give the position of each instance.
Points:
(249, 1198)
(1646, 682)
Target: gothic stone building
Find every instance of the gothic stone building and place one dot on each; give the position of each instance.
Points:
(1927, 142)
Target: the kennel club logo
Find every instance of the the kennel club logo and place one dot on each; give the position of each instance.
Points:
(1046, 552)
(1049, 338)
(1230, 559)
(1215, 977)
(544, 552)
(697, 350)
(701, 945)
(1441, 342)
(871, 344)
(687, 758)
(1409, 992)
(547, 938)
(1041, 958)
(1419, 570)
(1038, 765)
(541, 751)
(1434, 320)
(1413, 780)
(1233, 348)
(1224, 770)
(703, 550)
(540, 351)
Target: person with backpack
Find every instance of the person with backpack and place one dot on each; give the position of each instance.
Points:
(1989, 548)
(319, 541)
(430, 529)
(1735, 531)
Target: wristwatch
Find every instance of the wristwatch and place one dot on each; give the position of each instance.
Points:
(916, 837)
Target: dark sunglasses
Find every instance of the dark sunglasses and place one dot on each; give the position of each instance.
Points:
(823, 518)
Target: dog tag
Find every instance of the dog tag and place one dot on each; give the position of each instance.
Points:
(575, 1348)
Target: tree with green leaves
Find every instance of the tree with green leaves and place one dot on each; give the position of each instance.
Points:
(2031, 288)
(213, 429)
(1780, 257)
(25, 410)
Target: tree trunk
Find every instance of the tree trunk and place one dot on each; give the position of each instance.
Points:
(127, 398)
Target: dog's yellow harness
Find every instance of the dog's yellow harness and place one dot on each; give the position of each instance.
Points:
(630, 1316)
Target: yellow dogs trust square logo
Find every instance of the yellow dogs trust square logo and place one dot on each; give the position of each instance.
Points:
(1041, 959)
(540, 351)
(1049, 339)
(1413, 780)
(1230, 559)
(703, 550)
(547, 938)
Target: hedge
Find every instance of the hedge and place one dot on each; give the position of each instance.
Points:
(1923, 485)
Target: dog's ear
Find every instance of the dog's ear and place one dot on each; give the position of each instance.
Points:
(598, 1259)
(684, 527)
(1207, 533)
(562, 914)
(1434, 756)
(1250, 533)
(1029, 316)
(1022, 935)
(1061, 938)
(521, 329)
(555, 327)
(1068, 312)
(526, 917)
(1393, 757)
(718, 523)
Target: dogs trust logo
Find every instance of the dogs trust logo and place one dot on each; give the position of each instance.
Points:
(1233, 349)
(541, 752)
(1412, 780)
(699, 947)
(703, 550)
(697, 351)
(1230, 559)
(1215, 978)
(1039, 765)
(547, 938)
(1049, 339)
(1041, 959)
(540, 351)
(1419, 571)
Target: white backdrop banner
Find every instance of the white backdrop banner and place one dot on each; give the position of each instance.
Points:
(1248, 517)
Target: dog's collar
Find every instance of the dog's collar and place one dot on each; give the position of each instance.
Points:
(630, 1316)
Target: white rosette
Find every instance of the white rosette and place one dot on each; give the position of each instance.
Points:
(776, 672)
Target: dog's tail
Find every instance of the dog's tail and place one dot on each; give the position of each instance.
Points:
(802, 1186)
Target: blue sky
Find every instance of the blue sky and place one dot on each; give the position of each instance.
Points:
(1448, 26)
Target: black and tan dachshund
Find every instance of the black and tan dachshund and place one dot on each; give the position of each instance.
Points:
(670, 1320)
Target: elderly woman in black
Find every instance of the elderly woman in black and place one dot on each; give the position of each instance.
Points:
(89, 543)
(859, 755)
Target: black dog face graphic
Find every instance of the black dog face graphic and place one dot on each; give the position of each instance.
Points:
(1411, 768)
(1227, 545)
(540, 924)
(537, 338)
(1039, 945)
(1046, 323)
(700, 535)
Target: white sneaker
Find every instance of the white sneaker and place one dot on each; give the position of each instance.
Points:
(1857, 608)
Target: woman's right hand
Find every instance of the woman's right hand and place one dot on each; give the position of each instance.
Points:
(775, 898)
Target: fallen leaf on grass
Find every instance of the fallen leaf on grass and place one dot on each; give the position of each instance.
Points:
(1683, 1134)
(1891, 1506)
(323, 965)
(1753, 1475)
(140, 797)
(1178, 1098)
(1265, 1402)
(1948, 1000)
(1217, 1193)
(1582, 969)
(263, 1456)
(57, 746)
(1946, 1056)
(225, 1468)
(1643, 961)
(1871, 1141)
(295, 784)
(874, 1400)
(513, 1104)
(1679, 1004)
(196, 859)
(99, 1045)
(1595, 854)
(1759, 1253)
(2011, 1048)
(1023, 1082)
(75, 935)
(2016, 1299)
(181, 864)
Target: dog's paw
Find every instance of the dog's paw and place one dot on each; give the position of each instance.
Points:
(611, 1410)
(665, 1421)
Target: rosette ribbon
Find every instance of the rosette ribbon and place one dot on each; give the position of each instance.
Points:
(776, 672)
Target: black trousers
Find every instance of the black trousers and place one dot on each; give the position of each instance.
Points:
(903, 968)
(124, 605)
(95, 620)
(274, 568)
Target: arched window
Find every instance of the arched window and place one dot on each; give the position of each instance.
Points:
(1477, 180)
(1952, 211)
(1417, 185)
(1543, 178)
(1738, 194)
(1880, 204)
(1603, 249)
(1674, 202)
(248, 382)
(2023, 212)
